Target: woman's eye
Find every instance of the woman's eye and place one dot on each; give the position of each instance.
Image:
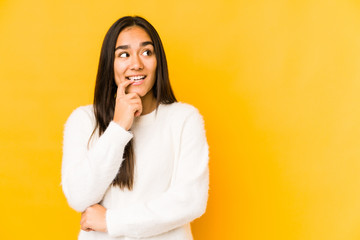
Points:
(147, 53)
(123, 55)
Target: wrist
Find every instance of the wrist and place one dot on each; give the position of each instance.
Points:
(122, 124)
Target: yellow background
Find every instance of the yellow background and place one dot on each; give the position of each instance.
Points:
(278, 83)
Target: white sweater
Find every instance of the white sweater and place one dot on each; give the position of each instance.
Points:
(171, 177)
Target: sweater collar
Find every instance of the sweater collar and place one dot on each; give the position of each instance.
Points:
(147, 118)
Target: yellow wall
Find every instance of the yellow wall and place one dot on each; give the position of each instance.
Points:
(277, 82)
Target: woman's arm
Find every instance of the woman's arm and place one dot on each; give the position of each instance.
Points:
(185, 200)
(87, 173)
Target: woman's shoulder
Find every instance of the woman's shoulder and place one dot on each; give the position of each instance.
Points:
(183, 118)
(180, 109)
(179, 113)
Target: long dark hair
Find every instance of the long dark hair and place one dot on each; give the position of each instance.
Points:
(105, 88)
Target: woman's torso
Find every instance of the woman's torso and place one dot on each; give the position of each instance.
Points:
(156, 148)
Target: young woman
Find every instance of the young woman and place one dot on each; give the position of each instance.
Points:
(135, 163)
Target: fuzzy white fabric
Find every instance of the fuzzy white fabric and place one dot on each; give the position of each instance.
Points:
(171, 178)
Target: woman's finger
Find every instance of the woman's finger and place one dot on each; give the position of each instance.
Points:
(82, 219)
(122, 87)
(137, 114)
(83, 226)
(133, 96)
(138, 109)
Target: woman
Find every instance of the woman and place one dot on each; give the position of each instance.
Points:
(135, 163)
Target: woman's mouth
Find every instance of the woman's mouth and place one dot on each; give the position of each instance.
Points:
(138, 79)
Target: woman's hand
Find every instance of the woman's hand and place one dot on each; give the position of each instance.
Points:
(94, 219)
(127, 106)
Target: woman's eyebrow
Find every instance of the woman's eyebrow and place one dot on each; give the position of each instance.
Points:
(122, 47)
(128, 46)
(146, 43)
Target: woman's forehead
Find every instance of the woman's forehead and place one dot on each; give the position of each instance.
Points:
(132, 35)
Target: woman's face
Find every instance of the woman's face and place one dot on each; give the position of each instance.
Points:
(135, 59)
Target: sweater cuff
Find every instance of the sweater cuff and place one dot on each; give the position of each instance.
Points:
(120, 133)
(114, 230)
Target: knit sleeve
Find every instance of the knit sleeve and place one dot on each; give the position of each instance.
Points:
(88, 172)
(185, 200)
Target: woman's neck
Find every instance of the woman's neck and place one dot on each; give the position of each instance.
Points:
(148, 103)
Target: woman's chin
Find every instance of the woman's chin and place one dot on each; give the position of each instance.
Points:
(140, 93)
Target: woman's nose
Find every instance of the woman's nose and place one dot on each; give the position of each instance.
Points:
(136, 63)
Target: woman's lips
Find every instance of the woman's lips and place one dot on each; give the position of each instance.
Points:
(137, 82)
(138, 79)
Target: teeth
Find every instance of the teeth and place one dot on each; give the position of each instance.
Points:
(136, 78)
